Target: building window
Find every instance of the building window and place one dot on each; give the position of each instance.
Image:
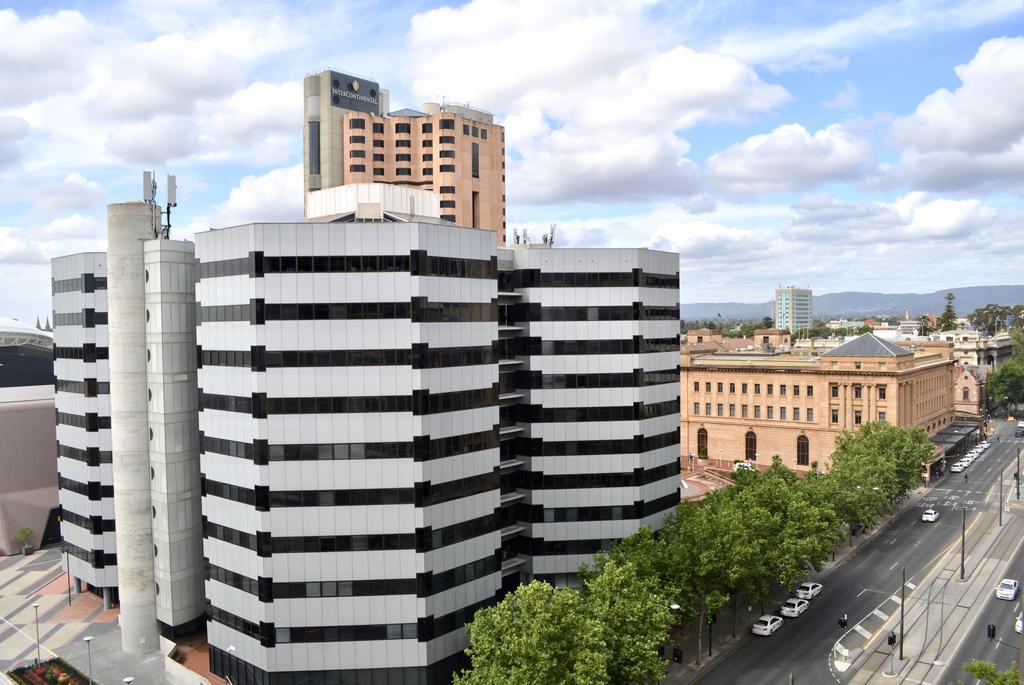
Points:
(707, 408)
(378, 127)
(707, 387)
(743, 388)
(856, 392)
(378, 156)
(465, 129)
(403, 128)
(428, 171)
(810, 391)
(446, 154)
(403, 158)
(476, 132)
(743, 411)
(835, 416)
(810, 414)
(426, 143)
(856, 365)
(702, 443)
(782, 413)
(796, 390)
(803, 451)
(796, 413)
(835, 365)
(721, 409)
(881, 392)
(964, 394)
(782, 390)
(357, 139)
(834, 389)
(771, 413)
(447, 125)
(357, 123)
(427, 128)
(757, 412)
(447, 190)
(720, 386)
(732, 387)
(377, 171)
(448, 217)
(378, 143)
(771, 389)
(427, 157)
(732, 410)
(696, 408)
(881, 366)
(404, 171)
(483, 133)
(446, 140)
(356, 167)
(881, 416)
(403, 143)
(696, 386)
(757, 388)
(358, 154)
(447, 168)
(856, 417)
(474, 158)
(751, 446)
(447, 204)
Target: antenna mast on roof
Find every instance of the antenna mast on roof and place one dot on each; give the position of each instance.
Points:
(160, 229)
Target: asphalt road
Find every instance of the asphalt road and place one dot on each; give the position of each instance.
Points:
(802, 647)
(1006, 647)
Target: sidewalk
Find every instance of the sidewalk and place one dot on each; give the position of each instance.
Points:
(723, 644)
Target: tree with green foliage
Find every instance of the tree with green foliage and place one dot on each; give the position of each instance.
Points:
(537, 634)
(924, 325)
(635, 617)
(947, 320)
(1006, 384)
(990, 318)
(989, 673)
(767, 322)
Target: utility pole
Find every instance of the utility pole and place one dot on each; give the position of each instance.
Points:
(903, 601)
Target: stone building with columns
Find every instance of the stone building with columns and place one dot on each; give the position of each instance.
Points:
(751, 406)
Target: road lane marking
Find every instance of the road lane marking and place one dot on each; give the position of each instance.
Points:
(862, 592)
(917, 543)
(911, 585)
(894, 566)
(863, 632)
(879, 614)
(896, 599)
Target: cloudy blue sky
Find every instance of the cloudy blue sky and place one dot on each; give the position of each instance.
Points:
(844, 145)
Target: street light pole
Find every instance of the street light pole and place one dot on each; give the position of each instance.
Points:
(963, 539)
(1018, 473)
(36, 607)
(1000, 497)
(903, 591)
(88, 645)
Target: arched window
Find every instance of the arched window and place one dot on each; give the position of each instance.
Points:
(803, 451)
(702, 443)
(966, 394)
(751, 446)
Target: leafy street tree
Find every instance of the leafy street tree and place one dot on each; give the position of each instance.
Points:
(989, 673)
(990, 318)
(1006, 384)
(635, 618)
(947, 320)
(537, 634)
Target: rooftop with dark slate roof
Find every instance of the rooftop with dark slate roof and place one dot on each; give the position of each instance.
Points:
(868, 345)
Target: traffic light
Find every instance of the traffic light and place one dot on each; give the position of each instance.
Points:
(892, 638)
(677, 655)
(991, 631)
(712, 617)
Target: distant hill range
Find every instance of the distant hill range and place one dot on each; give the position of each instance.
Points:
(855, 304)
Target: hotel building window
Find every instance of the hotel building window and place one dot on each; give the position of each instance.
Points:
(881, 392)
(750, 444)
(835, 416)
(803, 451)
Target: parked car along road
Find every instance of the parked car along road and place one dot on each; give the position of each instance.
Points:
(808, 590)
(766, 625)
(793, 607)
(1007, 589)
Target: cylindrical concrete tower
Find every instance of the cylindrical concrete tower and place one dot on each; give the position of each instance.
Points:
(128, 225)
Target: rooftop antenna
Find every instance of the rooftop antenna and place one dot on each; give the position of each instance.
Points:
(551, 235)
(160, 229)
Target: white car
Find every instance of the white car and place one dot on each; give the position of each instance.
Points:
(793, 607)
(1007, 589)
(808, 590)
(1019, 625)
(985, 445)
(766, 625)
(1020, 424)
(930, 515)
(957, 467)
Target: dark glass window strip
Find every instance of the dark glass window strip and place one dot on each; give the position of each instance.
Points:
(88, 352)
(336, 264)
(237, 581)
(345, 588)
(341, 498)
(635, 412)
(250, 541)
(424, 311)
(433, 627)
(96, 558)
(429, 540)
(88, 318)
(225, 402)
(96, 525)
(253, 630)
(94, 490)
(429, 583)
(420, 357)
(422, 449)
(537, 480)
(558, 381)
(541, 514)
(533, 311)
(235, 493)
(230, 448)
(339, 405)
(359, 633)
(90, 422)
(427, 449)
(242, 673)
(429, 494)
(92, 456)
(90, 387)
(86, 283)
(336, 311)
(225, 358)
(343, 543)
(536, 447)
(312, 358)
(341, 451)
(423, 264)
(535, 278)
(637, 345)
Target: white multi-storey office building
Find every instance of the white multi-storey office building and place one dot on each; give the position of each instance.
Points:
(357, 506)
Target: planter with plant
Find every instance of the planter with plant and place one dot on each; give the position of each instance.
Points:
(24, 535)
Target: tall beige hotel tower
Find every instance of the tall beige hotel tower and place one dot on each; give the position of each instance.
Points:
(454, 151)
